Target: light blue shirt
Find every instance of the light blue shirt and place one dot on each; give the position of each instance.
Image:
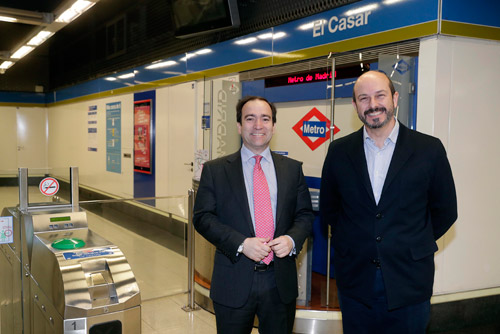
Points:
(267, 165)
(379, 159)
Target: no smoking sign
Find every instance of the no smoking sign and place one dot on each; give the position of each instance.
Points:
(49, 186)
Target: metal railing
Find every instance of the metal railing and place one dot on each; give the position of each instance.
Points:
(191, 306)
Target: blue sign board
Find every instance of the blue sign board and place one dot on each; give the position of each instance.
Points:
(483, 12)
(314, 129)
(87, 253)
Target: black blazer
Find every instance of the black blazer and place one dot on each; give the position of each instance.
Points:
(222, 216)
(417, 206)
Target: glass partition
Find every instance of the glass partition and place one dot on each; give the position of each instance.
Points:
(401, 70)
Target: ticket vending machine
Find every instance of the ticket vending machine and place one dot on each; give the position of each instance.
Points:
(60, 277)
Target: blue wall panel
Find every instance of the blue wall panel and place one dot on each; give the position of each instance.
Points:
(483, 12)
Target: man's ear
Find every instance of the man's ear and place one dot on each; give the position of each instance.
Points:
(395, 99)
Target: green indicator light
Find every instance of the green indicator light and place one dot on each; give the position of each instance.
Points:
(68, 243)
(60, 219)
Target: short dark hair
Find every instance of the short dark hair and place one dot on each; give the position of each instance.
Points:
(242, 101)
(391, 85)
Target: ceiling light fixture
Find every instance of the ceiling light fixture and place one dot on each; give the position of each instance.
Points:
(74, 11)
(126, 76)
(65, 13)
(203, 51)
(245, 41)
(188, 55)
(41, 37)
(8, 19)
(22, 51)
(5, 65)
(312, 24)
(270, 35)
(390, 2)
(361, 9)
(161, 64)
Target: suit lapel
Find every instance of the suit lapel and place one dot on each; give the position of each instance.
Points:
(281, 172)
(234, 172)
(402, 153)
(357, 155)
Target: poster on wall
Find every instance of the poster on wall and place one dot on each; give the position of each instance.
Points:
(142, 136)
(92, 128)
(113, 137)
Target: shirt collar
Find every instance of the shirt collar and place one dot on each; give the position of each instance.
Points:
(246, 154)
(393, 136)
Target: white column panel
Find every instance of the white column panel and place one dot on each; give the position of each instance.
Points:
(8, 143)
(464, 113)
(175, 133)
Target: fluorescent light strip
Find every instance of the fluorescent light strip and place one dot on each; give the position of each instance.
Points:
(310, 25)
(126, 76)
(5, 65)
(262, 52)
(161, 64)
(22, 51)
(41, 37)
(8, 19)
(390, 2)
(279, 35)
(270, 35)
(361, 9)
(266, 35)
(75, 10)
(188, 55)
(246, 41)
(203, 51)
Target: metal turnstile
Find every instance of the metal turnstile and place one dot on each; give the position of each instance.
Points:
(60, 277)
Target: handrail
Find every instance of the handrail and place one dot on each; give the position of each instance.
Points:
(111, 200)
(332, 132)
(191, 306)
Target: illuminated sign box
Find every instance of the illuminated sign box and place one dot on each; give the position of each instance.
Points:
(317, 75)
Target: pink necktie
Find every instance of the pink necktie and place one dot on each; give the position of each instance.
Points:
(263, 213)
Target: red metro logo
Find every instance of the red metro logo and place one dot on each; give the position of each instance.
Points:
(314, 125)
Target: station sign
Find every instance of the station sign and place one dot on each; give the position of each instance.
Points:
(314, 129)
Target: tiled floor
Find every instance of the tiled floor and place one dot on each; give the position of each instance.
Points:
(160, 272)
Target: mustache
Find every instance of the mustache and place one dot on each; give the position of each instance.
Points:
(371, 110)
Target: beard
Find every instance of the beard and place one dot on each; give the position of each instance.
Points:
(376, 121)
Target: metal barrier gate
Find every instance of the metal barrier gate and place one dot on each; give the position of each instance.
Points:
(60, 277)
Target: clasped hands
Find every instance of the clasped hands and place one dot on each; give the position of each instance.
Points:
(257, 249)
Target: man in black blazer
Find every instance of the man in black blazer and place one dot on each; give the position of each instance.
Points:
(242, 284)
(388, 193)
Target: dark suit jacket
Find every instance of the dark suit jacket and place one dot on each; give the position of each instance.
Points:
(222, 216)
(417, 206)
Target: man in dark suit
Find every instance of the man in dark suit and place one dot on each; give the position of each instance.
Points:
(254, 273)
(388, 193)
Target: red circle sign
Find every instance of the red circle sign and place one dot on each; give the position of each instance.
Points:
(49, 186)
